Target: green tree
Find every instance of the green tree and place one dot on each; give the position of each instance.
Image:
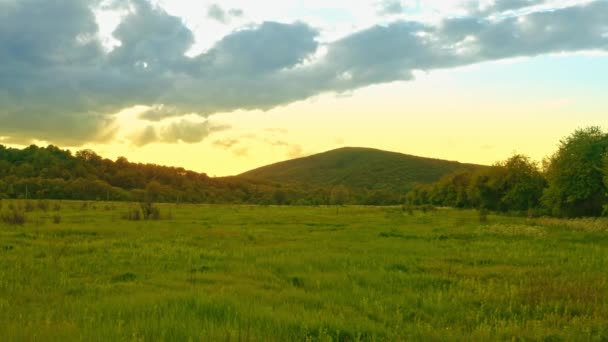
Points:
(576, 175)
(487, 187)
(523, 184)
(339, 196)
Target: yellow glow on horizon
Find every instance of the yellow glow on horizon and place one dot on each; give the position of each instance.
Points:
(436, 116)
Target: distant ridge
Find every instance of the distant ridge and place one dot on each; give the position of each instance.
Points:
(356, 167)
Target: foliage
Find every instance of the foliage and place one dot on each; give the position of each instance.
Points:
(576, 175)
(14, 216)
(372, 176)
(52, 173)
(339, 195)
(514, 185)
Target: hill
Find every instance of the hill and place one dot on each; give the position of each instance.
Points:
(51, 173)
(371, 176)
(359, 168)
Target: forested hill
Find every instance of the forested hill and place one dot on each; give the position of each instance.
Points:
(362, 168)
(49, 172)
(366, 176)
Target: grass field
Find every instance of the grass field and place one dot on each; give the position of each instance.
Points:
(250, 273)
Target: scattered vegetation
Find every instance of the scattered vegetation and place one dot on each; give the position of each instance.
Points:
(13, 216)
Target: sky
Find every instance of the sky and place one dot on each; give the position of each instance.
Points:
(222, 87)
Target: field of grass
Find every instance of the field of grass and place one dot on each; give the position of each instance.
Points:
(250, 273)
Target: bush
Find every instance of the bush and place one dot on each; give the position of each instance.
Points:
(145, 211)
(29, 206)
(13, 217)
(150, 212)
(408, 208)
(427, 208)
(133, 214)
(56, 219)
(56, 206)
(43, 205)
(483, 215)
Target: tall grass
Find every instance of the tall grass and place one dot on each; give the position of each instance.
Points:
(248, 273)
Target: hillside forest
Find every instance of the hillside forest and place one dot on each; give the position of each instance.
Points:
(573, 182)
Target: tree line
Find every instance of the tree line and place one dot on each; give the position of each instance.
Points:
(573, 182)
(52, 173)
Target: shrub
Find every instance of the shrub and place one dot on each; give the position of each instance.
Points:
(133, 214)
(13, 217)
(29, 206)
(56, 206)
(145, 211)
(56, 219)
(408, 208)
(125, 277)
(43, 205)
(483, 215)
(427, 208)
(150, 211)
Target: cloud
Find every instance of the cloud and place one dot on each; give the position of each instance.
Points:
(226, 143)
(60, 85)
(189, 132)
(236, 12)
(390, 7)
(147, 136)
(295, 151)
(241, 152)
(499, 6)
(217, 13)
(185, 131)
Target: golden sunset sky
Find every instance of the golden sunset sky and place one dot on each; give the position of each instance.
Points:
(224, 87)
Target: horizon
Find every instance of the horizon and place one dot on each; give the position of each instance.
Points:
(73, 152)
(467, 81)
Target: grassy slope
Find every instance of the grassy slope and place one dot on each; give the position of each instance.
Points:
(292, 273)
(359, 168)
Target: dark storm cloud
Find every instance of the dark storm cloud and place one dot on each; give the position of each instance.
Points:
(58, 84)
(44, 61)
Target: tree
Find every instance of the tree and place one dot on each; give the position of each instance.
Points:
(339, 195)
(486, 188)
(576, 175)
(523, 184)
(279, 197)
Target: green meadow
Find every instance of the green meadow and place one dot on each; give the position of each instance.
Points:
(79, 271)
